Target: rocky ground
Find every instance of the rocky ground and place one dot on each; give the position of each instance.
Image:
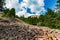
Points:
(14, 29)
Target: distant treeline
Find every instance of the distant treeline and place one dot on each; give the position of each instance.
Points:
(50, 19)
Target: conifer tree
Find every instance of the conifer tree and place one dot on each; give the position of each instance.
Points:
(1, 5)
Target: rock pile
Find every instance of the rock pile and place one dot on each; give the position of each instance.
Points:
(12, 31)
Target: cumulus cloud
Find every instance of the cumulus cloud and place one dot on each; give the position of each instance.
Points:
(10, 3)
(35, 5)
(21, 13)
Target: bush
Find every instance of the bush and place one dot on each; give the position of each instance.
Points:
(9, 13)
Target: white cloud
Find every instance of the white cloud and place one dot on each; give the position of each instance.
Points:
(21, 13)
(41, 2)
(11, 3)
(35, 5)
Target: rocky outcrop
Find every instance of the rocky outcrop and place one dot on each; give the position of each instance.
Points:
(16, 30)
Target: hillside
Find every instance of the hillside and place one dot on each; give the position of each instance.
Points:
(15, 29)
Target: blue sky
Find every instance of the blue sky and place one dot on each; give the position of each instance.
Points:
(30, 7)
(20, 1)
(50, 3)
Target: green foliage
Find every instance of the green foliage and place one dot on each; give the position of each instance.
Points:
(12, 12)
(58, 5)
(9, 13)
(5, 13)
(50, 19)
(1, 5)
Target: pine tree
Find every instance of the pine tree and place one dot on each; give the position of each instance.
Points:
(12, 12)
(1, 5)
(58, 5)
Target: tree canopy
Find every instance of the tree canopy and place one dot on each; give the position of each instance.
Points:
(9, 13)
(58, 5)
